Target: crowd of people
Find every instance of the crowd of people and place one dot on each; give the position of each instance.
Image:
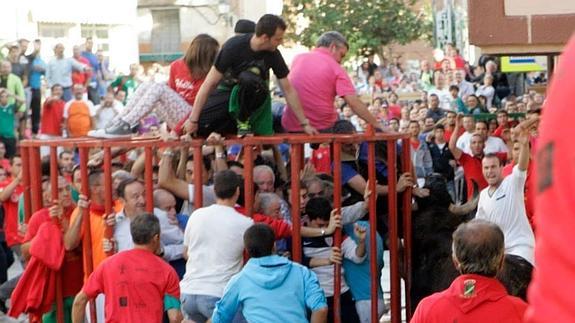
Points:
(214, 92)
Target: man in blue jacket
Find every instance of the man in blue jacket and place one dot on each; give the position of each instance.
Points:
(271, 288)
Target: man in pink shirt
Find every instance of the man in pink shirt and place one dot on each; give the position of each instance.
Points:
(318, 78)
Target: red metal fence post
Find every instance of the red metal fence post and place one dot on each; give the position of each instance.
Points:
(108, 197)
(198, 171)
(337, 235)
(393, 234)
(249, 179)
(54, 174)
(373, 230)
(406, 203)
(295, 158)
(35, 180)
(148, 178)
(25, 154)
(87, 226)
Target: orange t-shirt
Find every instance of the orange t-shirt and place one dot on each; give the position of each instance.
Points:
(78, 114)
(97, 231)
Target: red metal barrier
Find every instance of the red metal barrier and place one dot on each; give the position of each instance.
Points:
(337, 236)
(296, 165)
(406, 206)
(393, 234)
(32, 193)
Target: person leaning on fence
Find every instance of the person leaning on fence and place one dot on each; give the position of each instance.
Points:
(96, 215)
(320, 256)
(241, 103)
(139, 286)
(267, 283)
(476, 295)
(131, 194)
(44, 239)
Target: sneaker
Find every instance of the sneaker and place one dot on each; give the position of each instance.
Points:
(118, 129)
(244, 129)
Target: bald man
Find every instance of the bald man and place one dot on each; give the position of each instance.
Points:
(476, 295)
(172, 237)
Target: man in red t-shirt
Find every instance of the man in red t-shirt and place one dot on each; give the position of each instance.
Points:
(471, 164)
(84, 76)
(10, 191)
(139, 286)
(72, 269)
(53, 113)
(476, 295)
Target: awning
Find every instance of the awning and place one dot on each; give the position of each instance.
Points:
(158, 57)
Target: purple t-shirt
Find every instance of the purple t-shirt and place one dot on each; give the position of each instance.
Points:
(317, 78)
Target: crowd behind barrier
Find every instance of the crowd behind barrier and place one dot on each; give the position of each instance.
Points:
(439, 117)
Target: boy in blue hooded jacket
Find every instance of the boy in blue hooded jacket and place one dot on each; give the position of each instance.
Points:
(271, 288)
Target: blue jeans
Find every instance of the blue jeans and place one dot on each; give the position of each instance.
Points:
(198, 308)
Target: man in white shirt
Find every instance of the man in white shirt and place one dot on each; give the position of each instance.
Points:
(502, 202)
(213, 248)
(107, 110)
(464, 141)
(131, 194)
(493, 144)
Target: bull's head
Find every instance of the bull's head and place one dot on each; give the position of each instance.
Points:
(439, 196)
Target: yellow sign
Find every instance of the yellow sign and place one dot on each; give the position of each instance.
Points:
(520, 64)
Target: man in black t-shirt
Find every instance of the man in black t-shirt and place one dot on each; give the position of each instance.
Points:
(255, 53)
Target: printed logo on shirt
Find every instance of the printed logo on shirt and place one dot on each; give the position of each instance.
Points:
(545, 167)
(184, 84)
(123, 301)
(469, 290)
(500, 197)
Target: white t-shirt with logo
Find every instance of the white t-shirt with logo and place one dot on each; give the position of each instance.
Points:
(506, 208)
(214, 237)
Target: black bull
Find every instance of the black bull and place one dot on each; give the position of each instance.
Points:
(435, 218)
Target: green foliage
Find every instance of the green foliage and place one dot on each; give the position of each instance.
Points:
(368, 25)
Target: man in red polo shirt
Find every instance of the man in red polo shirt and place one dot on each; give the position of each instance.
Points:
(476, 295)
(471, 164)
(139, 286)
(53, 114)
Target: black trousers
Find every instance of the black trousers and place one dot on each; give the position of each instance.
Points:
(6, 260)
(35, 106)
(348, 312)
(10, 144)
(215, 116)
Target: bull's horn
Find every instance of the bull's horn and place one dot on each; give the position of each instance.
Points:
(465, 208)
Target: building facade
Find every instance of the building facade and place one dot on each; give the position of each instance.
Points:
(111, 24)
(166, 27)
(521, 26)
